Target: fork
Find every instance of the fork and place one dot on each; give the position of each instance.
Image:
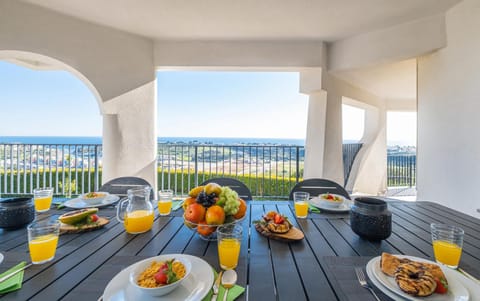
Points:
(363, 282)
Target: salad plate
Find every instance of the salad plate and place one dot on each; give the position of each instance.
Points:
(456, 290)
(194, 288)
(79, 203)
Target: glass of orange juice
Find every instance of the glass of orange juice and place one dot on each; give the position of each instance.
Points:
(42, 198)
(43, 240)
(136, 212)
(300, 200)
(229, 238)
(165, 202)
(447, 244)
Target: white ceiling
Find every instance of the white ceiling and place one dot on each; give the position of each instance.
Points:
(393, 81)
(325, 20)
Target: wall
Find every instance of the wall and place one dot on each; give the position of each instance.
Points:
(448, 108)
(118, 68)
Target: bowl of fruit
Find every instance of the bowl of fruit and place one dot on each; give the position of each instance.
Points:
(210, 206)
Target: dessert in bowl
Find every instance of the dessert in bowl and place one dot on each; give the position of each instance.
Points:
(159, 276)
(331, 200)
(210, 206)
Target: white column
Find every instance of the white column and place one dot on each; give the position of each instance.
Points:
(315, 138)
(130, 135)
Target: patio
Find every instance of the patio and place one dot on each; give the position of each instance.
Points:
(376, 55)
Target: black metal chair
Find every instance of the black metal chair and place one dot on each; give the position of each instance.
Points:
(236, 185)
(119, 186)
(319, 186)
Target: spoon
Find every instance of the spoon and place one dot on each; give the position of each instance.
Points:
(229, 279)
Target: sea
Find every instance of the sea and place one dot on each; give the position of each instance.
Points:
(188, 140)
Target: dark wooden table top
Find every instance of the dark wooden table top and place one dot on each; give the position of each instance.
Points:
(320, 267)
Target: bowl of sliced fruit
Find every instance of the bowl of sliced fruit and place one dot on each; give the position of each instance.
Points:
(331, 200)
(210, 206)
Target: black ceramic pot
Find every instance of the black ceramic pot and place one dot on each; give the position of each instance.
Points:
(16, 212)
(370, 218)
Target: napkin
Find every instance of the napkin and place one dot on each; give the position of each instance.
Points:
(313, 209)
(177, 205)
(233, 292)
(13, 283)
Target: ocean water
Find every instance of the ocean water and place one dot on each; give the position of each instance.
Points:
(196, 140)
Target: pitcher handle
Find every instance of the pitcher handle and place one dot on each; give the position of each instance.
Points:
(120, 210)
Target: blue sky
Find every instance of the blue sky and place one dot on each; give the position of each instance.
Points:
(190, 104)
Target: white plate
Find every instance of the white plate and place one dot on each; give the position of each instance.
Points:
(1, 257)
(456, 291)
(78, 203)
(345, 207)
(195, 287)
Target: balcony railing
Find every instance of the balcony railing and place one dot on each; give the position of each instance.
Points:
(401, 170)
(68, 168)
(268, 170)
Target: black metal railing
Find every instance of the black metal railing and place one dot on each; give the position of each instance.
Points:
(401, 170)
(268, 170)
(68, 168)
(350, 151)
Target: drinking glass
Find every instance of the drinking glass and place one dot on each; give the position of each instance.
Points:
(447, 244)
(300, 199)
(43, 240)
(42, 198)
(229, 238)
(165, 202)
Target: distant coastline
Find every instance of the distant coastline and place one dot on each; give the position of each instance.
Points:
(186, 140)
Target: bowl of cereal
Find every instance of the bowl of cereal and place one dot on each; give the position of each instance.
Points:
(160, 275)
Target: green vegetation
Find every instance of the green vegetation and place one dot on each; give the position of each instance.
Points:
(264, 186)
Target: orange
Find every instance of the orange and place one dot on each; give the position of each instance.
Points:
(204, 229)
(242, 209)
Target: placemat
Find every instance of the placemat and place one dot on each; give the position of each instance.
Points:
(341, 271)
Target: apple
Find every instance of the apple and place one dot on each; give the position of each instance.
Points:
(215, 215)
(195, 213)
(188, 201)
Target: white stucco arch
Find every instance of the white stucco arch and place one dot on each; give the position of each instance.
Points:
(38, 61)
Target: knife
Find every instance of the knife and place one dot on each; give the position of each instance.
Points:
(216, 286)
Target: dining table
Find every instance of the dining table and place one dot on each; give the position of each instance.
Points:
(321, 266)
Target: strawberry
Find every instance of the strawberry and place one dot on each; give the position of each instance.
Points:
(442, 286)
(161, 277)
(92, 218)
(330, 197)
(278, 219)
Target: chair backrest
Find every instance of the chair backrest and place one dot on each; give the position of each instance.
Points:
(119, 186)
(318, 186)
(242, 189)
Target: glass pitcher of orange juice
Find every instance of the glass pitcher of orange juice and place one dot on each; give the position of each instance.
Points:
(136, 211)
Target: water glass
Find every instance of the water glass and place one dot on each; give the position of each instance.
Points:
(300, 199)
(43, 240)
(447, 244)
(229, 238)
(165, 198)
(42, 198)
